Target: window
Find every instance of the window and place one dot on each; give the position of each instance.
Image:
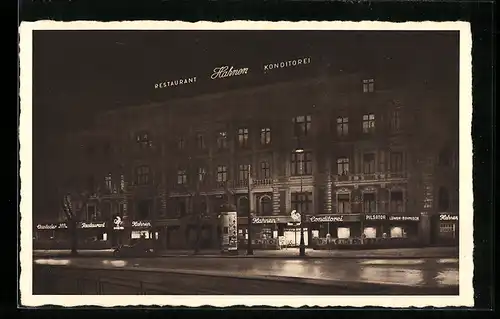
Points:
(265, 136)
(266, 205)
(181, 177)
(397, 202)
(302, 125)
(342, 126)
(221, 173)
(342, 166)
(122, 182)
(301, 163)
(180, 207)
(343, 204)
(109, 183)
(396, 121)
(200, 141)
(443, 199)
(91, 213)
(142, 138)
(221, 140)
(142, 175)
(302, 202)
(368, 85)
(369, 123)
(396, 162)
(181, 144)
(369, 204)
(201, 174)
(369, 163)
(243, 171)
(265, 170)
(243, 137)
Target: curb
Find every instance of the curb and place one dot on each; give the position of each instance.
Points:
(251, 257)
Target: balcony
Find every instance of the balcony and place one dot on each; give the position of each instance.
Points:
(374, 177)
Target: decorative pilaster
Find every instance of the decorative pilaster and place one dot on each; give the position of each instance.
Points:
(328, 194)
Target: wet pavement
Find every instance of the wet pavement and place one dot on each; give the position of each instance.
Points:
(429, 273)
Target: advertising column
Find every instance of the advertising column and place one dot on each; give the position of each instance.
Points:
(229, 235)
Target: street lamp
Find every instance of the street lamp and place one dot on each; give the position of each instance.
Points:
(302, 246)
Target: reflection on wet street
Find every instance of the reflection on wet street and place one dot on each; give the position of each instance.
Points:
(414, 272)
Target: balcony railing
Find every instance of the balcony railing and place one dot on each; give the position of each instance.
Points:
(369, 177)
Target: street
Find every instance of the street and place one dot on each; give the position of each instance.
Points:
(429, 274)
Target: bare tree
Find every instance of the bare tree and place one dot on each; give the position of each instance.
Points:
(72, 218)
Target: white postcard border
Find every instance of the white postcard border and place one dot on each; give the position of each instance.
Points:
(466, 266)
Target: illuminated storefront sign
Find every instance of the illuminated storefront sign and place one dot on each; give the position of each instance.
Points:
(140, 223)
(118, 223)
(226, 71)
(404, 218)
(264, 220)
(92, 225)
(165, 84)
(51, 226)
(286, 64)
(447, 217)
(375, 217)
(334, 218)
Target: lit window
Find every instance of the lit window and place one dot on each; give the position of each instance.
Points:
(265, 136)
(243, 172)
(302, 125)
(368, 85)
(265, 170)
(342, 166)
(221, 140)
(342, 126)
(369, 123)
(221, 173)
(243, 137)
(181, 177)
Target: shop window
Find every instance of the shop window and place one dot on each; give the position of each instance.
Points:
(443, 199)
(343, 232)
(343, 203)
(370, 232)
(137, 234)
(397, 232)
(447, 229)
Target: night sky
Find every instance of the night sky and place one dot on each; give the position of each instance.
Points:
(77, 73)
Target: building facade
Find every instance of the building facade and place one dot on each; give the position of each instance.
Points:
(360, 159)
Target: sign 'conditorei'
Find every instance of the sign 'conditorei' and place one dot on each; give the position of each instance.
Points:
(227, 71)
(333, 218)
(286, 64)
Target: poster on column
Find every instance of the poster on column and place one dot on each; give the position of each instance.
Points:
(229, 226)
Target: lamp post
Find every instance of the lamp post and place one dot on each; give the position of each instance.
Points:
(302, 246)
(249, 213)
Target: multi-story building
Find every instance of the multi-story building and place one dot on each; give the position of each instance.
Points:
(377, 160)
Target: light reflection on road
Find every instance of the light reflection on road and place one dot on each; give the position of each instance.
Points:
(53, 262)
(419, 272)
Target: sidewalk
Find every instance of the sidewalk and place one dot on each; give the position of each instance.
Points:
(400, 253)
(391, 253)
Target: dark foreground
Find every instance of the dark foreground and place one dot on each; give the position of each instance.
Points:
(215, 276)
